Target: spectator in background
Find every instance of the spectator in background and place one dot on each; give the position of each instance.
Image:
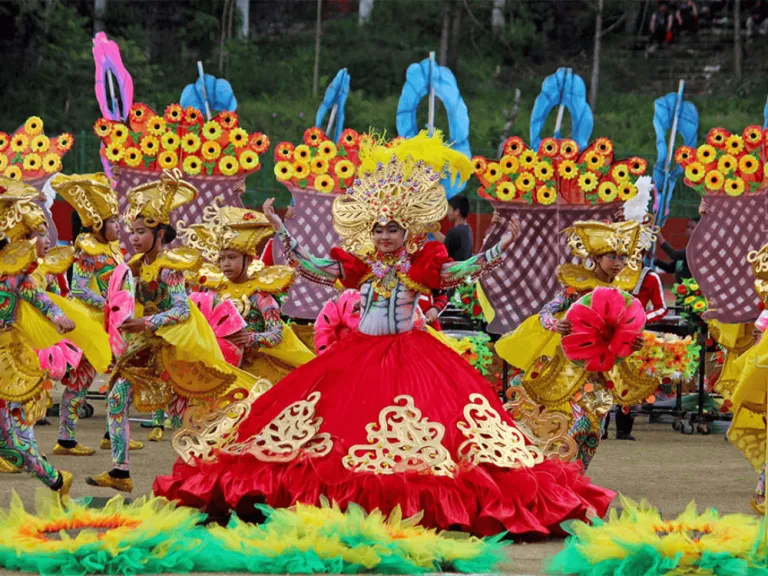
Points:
(679, 263)
(687, 17)
(758, 19)
(458, 240)
(661, 25)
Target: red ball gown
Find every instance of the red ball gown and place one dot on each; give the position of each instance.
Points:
(389, 417)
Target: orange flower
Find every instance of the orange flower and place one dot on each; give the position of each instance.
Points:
(569, 149)
(313, 136)
(753, 136)
(479, 164)
(64, 142)
(228, 119)
(514, 146)
(685, 155)
(259, 143)
(548, 147)
(637, 166)
(139, 113)
(174, 114)
(192, 116)
(349, 138)
(4, 141)
(283, 151)
(102, 128)
(717, 137)
(603, 146)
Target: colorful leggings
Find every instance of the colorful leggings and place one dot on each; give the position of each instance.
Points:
(118, 402)
(76, 384)
(587, 430)
(18, 446)
(176, 408)
(760, 488)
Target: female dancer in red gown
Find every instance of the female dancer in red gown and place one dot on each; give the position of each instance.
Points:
(390, 416)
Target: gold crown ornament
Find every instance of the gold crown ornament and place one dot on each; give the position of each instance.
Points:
(20, 213)
(227, 228)
(759, 261)
(400, 184)
(155, 201)
(91, 195)
(591, 239)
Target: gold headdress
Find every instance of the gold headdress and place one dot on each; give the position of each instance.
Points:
(91, 195)
(228, 228)
(20, 213)
(398, 184)
(759, 261)
(154, 201)
(590, 239)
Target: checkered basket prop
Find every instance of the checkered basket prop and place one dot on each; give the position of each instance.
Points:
(313, 229)
(526, 279)
(718, 249)
(208, 187)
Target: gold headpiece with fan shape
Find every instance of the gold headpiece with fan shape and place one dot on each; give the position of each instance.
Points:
(759, 261)
(398, 184)
(155, 201)
(20, 211)
(591, 238)
(91, 195)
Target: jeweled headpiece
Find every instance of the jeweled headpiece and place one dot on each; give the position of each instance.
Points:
(398, 184)
(227, 228)
(759, 261)
(91, 195)
(590, 239)
(20, 213)
(156, 200)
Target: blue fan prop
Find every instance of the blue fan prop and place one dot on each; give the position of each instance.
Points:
(567, 89)
(335, 95)
(220, 95)
(417, 86)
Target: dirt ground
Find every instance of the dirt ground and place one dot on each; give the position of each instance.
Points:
(662, 466)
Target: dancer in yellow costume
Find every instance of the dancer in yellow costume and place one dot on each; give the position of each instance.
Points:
(747, 431)
(32, 319)
(173, 354)
(229, 237)
(609, 255)
(97, 253)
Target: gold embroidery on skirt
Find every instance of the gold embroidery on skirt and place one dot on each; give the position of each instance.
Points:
(492, 441)
(547, 430)
(21, 378)
(294, 432)
(402, 441)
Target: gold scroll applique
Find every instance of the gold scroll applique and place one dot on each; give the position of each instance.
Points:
(402, 441)
(209, 425)
(492, 441)
(293, 432)
(547, 430)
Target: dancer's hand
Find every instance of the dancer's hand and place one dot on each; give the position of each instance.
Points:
(240, 339)
(703, 208)
(269, 212)
(495, 219)
(290, 213)
(512, 233)
(133, 326)
(64, 325)
(637, 343)
(239, 188)
(432, 315)
(619, 216)
(563, 327)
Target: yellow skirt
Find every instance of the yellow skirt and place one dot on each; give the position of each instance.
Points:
(736, 339)
(747, 431)
(275, 363)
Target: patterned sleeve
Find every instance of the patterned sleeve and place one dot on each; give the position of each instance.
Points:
(454, 273)
(560, 303)
(179, 302)
(30, 292)
(439, 300)
(52, 284)
(319, 270)
(83, 270)
(273, 326)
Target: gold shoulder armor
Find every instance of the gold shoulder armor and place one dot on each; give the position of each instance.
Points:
(17, 257)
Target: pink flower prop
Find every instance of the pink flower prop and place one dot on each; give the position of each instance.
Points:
(338, 318)
(605, 324)
(120, 306)
(56, 358)
(225, 321)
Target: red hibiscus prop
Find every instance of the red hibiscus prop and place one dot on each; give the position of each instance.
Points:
(605, 323)
(338, 318)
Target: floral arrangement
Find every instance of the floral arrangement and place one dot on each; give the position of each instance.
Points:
(691, 301)
(465, 298)
(727, 164)
(28, 153)
(558, 172)
(668, 357)
(475, 350)
(318, 164)
(181, 138)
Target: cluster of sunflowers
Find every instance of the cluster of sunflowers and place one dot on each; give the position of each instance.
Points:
(181, 138)
(558, 172)
(668, 356)
(727, 163)
(318, 164)
(29, 154)
(689, 298)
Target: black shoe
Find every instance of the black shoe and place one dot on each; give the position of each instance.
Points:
(625, 437)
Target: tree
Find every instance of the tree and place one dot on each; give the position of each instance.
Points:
(596, 56)
(737, 38)
(497, 16)
(364, 14)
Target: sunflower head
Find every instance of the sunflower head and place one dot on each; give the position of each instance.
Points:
(228, 165)
(549, 147)
(249, 160)
(284, 171)
(344, 169)
(323, 183)
(514, 146)
(259, 143)
(506, 191)
(479, 164)
(569, 149)
(300, 170)
(284, 151)
(510, 164)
